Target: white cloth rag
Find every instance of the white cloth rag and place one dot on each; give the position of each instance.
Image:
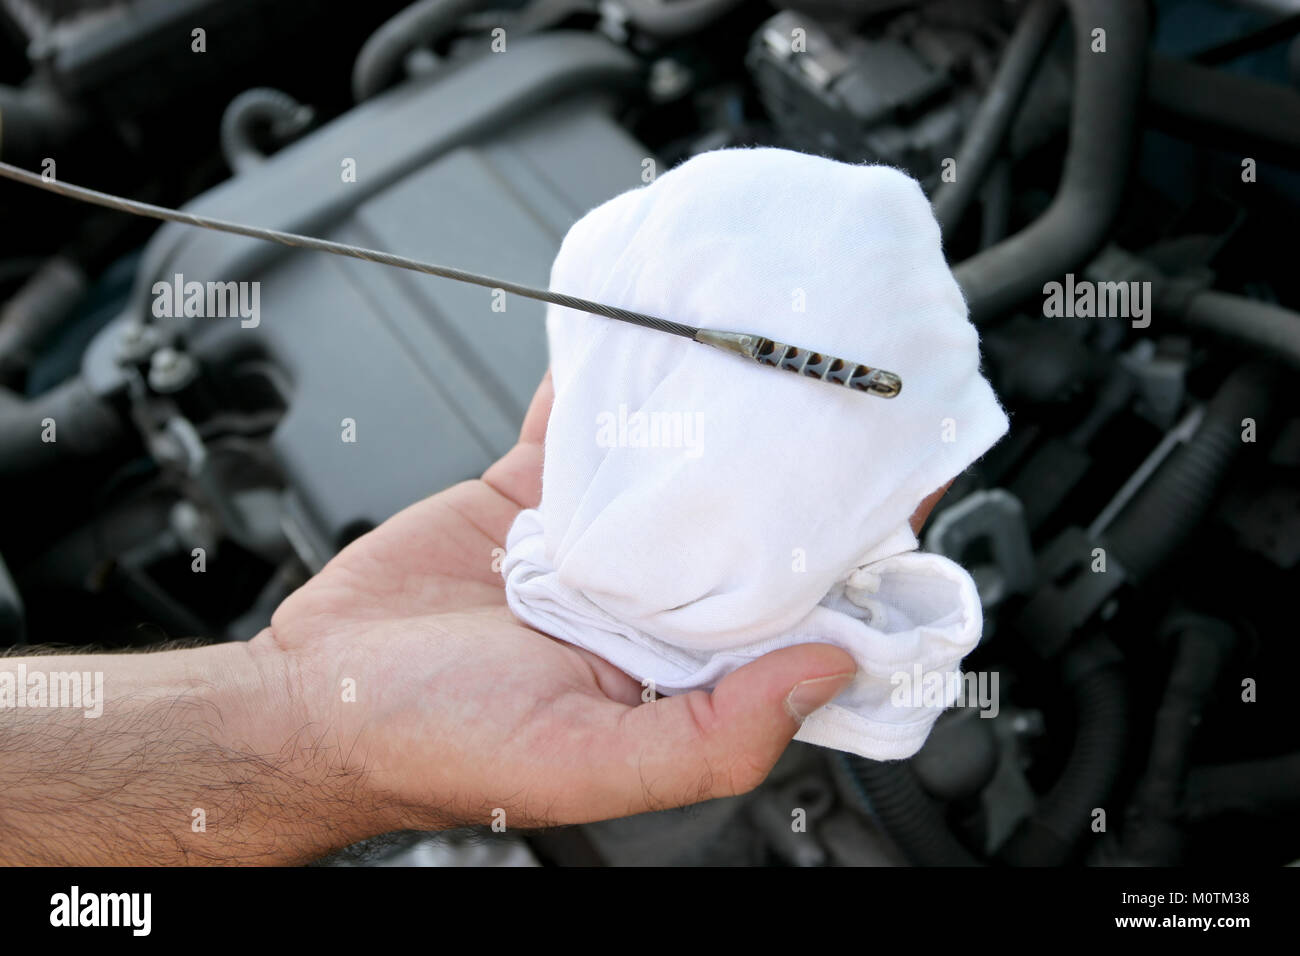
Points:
(699, 510)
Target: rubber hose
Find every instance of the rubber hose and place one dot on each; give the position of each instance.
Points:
(1274, 33)
(890, 792)
(1259, 787)
(34, 121)
(995, 204)
(42, 304)
(84, 424)
(1152, 834)
(672, 19)
(51, 295)
(988, 128)
(1170, 506)
(1260, 324)
(1103, 132)
(380, 61)
(251, 108)
(1218, 107)
(1051, 834)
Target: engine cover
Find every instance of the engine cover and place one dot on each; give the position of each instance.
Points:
(482, 166)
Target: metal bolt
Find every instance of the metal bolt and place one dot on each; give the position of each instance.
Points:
(668, 79)
(135, 343)
(170, 370)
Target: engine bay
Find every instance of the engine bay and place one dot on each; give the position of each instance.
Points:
(1115, 181)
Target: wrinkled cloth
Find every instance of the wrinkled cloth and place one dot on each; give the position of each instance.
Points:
(699, 510)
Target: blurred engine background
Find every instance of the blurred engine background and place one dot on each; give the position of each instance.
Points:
(1119, 690)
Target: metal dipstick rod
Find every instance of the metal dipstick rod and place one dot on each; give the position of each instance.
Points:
(763, 351)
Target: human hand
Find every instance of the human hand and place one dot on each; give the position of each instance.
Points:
(461, 711)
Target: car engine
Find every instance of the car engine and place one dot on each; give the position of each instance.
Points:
(1115, 180)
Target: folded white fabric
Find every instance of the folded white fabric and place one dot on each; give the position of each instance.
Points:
(699, 510)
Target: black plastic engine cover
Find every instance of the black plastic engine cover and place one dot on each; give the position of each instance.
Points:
(483, 166)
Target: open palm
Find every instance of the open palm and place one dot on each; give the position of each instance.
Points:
(461, 712)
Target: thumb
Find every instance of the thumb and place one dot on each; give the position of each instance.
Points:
(698, 746)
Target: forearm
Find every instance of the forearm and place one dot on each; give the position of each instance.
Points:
(196, 757)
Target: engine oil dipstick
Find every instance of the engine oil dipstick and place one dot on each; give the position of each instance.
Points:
(761, 351)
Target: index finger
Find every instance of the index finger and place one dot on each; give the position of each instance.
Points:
(533, 431)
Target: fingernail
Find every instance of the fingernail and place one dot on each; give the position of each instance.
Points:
(808, 695)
